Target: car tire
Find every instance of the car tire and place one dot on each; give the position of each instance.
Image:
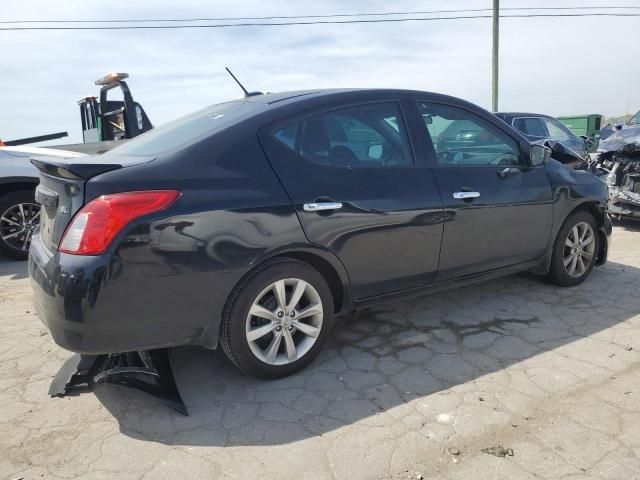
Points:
(10, 243)
(295, 332)
(572, 262)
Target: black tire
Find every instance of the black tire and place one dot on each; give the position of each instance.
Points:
(233, 336)
(7, 202)
(558, 272)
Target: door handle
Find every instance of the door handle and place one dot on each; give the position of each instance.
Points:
(465, 195)
(321, 206)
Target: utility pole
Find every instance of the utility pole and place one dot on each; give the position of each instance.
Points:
(494, 56)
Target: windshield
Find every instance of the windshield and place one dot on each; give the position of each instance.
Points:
(557, 131)
(635, 120)
(183, 130)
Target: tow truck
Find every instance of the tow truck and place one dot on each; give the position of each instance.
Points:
(112, 120)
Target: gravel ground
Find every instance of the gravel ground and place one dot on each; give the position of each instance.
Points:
(406, 390)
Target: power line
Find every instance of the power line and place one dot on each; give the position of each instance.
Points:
(319, 22)
(334, 15)
(274, 17)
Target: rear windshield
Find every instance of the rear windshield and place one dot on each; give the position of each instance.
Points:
(191, 127)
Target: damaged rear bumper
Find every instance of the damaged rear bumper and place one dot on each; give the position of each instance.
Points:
(149, 371)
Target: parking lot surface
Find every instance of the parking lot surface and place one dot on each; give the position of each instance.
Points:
(514, 378)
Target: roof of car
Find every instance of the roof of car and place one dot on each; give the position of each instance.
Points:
(271, 98)
(292, 96)
(522, 114)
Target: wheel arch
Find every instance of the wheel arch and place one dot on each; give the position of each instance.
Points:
(592, 206)
(336, 283)
(14, 184)
(599, 212)
(322, 261)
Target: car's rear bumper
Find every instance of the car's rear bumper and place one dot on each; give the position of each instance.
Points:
(98, 305)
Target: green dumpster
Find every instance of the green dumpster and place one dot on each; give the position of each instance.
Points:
(585, 126)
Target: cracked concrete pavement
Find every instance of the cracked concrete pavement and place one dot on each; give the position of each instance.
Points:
(414, 387)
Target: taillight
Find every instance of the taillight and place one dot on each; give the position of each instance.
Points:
(97, 223)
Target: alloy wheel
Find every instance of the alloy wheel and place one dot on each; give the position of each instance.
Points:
(284, 321)
(579, 248)
(17, 225)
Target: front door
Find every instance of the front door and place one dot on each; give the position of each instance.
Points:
(499, 209)
(351, 175)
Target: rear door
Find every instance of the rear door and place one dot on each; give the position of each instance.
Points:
(499, 210)
(350, 171)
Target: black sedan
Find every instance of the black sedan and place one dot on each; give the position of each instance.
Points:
(538, 127)
(251, 224)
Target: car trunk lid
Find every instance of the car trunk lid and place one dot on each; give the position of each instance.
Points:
(62, 187)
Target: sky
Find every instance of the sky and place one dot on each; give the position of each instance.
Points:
(557, 66)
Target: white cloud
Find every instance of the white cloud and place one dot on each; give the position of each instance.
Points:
(555, 66)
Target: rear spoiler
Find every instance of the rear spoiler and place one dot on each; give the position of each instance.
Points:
(72, 168)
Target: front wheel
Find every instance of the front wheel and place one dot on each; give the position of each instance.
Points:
(277, 319)
(575, 250)
(19, 217)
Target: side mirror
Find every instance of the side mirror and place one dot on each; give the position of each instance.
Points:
(539, 155)
(618, 126)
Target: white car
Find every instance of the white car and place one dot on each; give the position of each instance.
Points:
(19, 213)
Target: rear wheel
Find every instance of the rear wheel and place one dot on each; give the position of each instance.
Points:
(575, 250)
(19, 217)
(277, 320)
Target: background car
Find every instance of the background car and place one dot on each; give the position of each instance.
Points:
(538, 127)
(618, 163)
(19, 213)
(251, 223)
(633, 123)
(617, 138)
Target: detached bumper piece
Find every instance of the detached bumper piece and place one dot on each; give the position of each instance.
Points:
(149, 371)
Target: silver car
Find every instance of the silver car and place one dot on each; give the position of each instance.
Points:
(19, 214)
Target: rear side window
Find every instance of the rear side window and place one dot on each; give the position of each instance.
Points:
(288, 135)
(462, 138)
(531, 126)
(372, 135)
(192, 127)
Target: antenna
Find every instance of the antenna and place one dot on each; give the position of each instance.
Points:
(246, 92)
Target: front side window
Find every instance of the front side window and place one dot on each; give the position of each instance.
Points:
(557, 131)
(371, 135)
(530, 126)
(462, 138)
